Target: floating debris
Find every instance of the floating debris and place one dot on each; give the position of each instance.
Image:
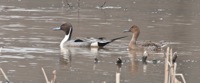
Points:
(144, 57)
(130, 20)
(155, 61)
(96, 60)
(108, 7)
(119, 61)
(174, 57)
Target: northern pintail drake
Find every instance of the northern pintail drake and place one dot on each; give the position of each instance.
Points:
(147, 45)
(86, 42)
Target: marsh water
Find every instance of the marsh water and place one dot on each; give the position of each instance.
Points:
(29, 43)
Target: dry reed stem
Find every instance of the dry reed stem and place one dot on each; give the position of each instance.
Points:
(45, 76)
(117, 77)
(166, 66)
(170, 69)
(4, 75)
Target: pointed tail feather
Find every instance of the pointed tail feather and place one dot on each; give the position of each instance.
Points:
(112, 40)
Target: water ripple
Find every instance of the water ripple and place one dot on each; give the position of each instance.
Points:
(11, 56)
(28, 50)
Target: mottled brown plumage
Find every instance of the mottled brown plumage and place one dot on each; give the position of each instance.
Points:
(134, 44)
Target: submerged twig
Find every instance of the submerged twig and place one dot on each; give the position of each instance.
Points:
(103, 4)
(7, 80)
(70, 6)
(79, 4)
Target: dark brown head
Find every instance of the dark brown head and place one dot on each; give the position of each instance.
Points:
(66, 27)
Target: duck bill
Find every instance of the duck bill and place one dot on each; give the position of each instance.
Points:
(56, 29)
(126, 31)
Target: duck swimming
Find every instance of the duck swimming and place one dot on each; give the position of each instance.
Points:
(86, 42)
(147, 45)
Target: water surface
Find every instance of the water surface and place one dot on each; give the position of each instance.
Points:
(29, 42)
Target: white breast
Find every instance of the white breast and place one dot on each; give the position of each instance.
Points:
(94, 44)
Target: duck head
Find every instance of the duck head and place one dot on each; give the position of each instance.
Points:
(67, 28)
(136, 31)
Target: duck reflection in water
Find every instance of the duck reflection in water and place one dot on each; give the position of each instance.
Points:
(136, 60)
(66, 57)
(134, 63)
(67, 54)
